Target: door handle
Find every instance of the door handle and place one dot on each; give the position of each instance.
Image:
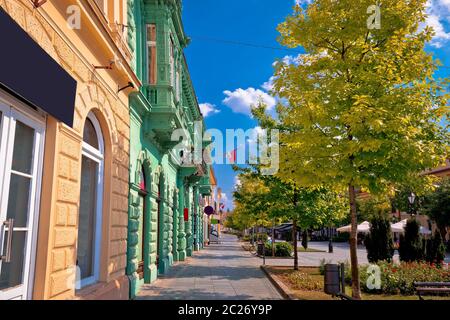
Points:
(10, 224)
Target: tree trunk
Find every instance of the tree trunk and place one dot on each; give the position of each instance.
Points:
(273, 238)
(356, 290)
(294, 235)
(305, 239)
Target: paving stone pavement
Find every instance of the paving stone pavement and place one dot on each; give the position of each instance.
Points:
(220, 272)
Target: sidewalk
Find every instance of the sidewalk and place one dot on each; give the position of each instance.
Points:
(220, 272)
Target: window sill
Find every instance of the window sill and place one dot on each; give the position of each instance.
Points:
(115, 289)
(89, 290)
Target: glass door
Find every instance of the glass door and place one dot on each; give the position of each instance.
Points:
(20, 153)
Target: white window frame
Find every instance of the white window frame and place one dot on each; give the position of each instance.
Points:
(96, 155)
(18, 111)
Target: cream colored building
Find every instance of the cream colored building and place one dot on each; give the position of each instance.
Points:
(64, 185)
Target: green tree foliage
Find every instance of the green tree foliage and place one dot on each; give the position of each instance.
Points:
(361, 109)
(430, 253)
(411, 245)
(437, 206)
(239, 220)
(376, 206)
(251, 203)
(283, 249)
(265, 198)
(400, 201)
(439, 248)
(435, 250)
(379, 244)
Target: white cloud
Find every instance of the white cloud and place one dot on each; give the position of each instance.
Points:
(302, 58)
(255, 133)
(268, 85)
(208, 109)
(441, 35)
(438, 12)
(286, 60)
(242, 101)
(227, 202)
(302, 2)
(444, 3)
(224, 199)
(237, 181)
(291, 59)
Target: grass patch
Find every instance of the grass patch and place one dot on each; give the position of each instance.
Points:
(305, 284)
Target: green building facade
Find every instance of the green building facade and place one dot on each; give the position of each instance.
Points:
(165, 222)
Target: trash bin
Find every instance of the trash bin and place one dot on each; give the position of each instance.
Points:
(260, 250)
(332, 279)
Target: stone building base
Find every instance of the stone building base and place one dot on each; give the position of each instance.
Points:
(118, 289)
(181, 256)
(165, 264)
(135, 285)
(153, 273)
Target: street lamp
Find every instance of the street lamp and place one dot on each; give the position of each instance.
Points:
(330, 241)
(412, 199)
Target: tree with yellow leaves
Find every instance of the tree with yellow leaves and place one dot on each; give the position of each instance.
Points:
(360, 109)
(268, 198)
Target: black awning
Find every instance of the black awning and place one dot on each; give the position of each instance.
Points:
(30, 74)
(284, 227)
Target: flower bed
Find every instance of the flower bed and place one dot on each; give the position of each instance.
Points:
(399, 278)
(305, 281)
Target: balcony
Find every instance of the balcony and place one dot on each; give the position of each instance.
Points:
(205, 187)
(165, 116)
(191, 170)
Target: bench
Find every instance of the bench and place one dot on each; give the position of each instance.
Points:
(431, 288)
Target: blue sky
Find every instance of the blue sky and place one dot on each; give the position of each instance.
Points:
(229, 77)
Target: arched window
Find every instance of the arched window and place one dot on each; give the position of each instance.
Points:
(91, 196)
(142, 181)
(142, 222)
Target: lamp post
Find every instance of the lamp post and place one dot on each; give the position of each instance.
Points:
(412, 199)
(330, 241)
